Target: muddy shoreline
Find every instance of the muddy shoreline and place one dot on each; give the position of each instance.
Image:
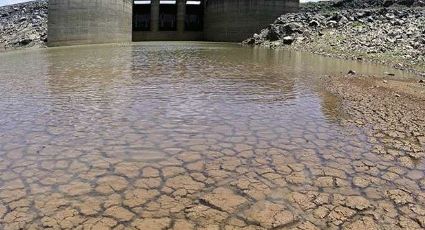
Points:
(390, 110)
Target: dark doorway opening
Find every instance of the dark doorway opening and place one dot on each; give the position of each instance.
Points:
(168, 17)
(141, 17)
(194, 16)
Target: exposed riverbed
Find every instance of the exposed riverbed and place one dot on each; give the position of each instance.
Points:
(200, 136)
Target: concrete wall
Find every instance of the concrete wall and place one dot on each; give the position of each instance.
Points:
(236, 20)
(73, 22)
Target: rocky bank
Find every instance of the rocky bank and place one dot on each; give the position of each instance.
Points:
(23, 25)
(387, 32)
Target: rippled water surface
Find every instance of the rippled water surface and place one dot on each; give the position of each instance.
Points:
(187, 136)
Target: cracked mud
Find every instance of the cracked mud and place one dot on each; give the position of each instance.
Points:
(133, 138)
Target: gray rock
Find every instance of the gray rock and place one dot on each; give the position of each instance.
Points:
(288, 40)
(388, 3)
(394, 33)
(332, 24)
(390, 16)
(274, 33)
(314, 23)
(292, 27)
(24, 25)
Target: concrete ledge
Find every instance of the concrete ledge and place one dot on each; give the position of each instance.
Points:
(167, 36)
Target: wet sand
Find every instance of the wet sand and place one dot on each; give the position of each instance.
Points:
(135, 138)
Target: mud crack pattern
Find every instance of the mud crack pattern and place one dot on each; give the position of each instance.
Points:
(134, 138)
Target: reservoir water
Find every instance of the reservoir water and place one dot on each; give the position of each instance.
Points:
(189, 136)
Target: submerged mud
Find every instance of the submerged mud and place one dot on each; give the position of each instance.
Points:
(178, 136)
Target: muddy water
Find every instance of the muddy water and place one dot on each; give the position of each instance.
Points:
(190, 136)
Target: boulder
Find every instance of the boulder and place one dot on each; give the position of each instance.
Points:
(288, 40)
(388, 3)
(274, 33)
(314, 23)
(292, 27)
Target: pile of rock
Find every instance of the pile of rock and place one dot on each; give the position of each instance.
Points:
(23, 25)
(358, 4)
(394, 35)
(361, 4)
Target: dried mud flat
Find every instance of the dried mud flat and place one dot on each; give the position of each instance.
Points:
(224, 153)
(391, 110)
(234, 185)
(392, 113)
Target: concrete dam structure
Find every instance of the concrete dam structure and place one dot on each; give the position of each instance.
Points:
(73, 22)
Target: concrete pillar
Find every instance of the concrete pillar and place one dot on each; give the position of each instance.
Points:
(181, 15)
(154, 15)
(75, 22)
(235, 20)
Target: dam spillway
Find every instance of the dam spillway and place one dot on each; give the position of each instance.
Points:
(75, 22)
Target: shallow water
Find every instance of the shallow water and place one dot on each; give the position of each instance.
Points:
(188, 135)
